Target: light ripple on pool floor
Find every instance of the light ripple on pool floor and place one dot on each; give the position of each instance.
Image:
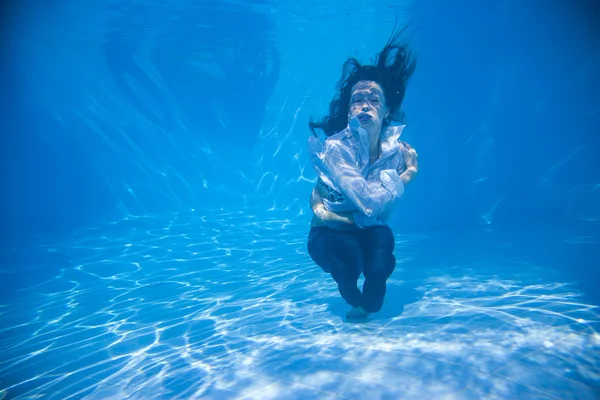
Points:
(206, 307)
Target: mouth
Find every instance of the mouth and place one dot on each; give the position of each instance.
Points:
(364, 117)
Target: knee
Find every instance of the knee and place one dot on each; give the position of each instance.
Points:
(317, 243)
(315, 250)
(380, 265)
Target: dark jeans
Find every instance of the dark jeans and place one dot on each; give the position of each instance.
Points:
(345, 254)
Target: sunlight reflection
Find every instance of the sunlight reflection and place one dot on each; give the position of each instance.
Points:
(197, 307)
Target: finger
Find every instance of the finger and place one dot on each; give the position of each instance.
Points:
(412, 151)
(409, 153)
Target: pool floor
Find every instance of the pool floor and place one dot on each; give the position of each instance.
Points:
(230, 306)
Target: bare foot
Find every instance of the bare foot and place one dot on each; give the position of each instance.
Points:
(357, 313)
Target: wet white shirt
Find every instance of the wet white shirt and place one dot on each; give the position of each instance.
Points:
(350, 181)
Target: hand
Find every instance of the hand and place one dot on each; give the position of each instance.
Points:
(329, 216)
(411, 158)
(411, 161)
(345, 217)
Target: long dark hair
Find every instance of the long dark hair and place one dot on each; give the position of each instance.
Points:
(393, 67)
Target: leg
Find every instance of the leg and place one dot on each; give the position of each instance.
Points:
(378, 247)
(340, 254)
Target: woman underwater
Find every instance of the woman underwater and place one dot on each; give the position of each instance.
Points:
(362, 169)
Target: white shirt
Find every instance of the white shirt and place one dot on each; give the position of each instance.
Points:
(351, 181)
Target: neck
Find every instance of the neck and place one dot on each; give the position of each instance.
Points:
(374, 144)
(374, 150)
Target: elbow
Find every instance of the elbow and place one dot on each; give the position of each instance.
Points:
(368, 208)
(375, 212)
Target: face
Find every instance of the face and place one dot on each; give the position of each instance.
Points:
(367, 103)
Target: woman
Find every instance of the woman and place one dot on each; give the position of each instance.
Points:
(362, 169)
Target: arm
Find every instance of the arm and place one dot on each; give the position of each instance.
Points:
(372, 199)
(316, 204)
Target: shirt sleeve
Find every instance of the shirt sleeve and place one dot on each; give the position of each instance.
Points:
(371, 198)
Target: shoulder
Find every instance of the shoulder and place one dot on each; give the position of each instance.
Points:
(390, 142)
(337, 141)
(340, 136)
(392, 133)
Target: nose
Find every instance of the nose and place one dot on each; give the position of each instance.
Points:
(366, 106)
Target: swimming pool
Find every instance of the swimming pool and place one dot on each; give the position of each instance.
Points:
(158, 206)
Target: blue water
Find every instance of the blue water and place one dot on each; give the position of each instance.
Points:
(156, 187)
